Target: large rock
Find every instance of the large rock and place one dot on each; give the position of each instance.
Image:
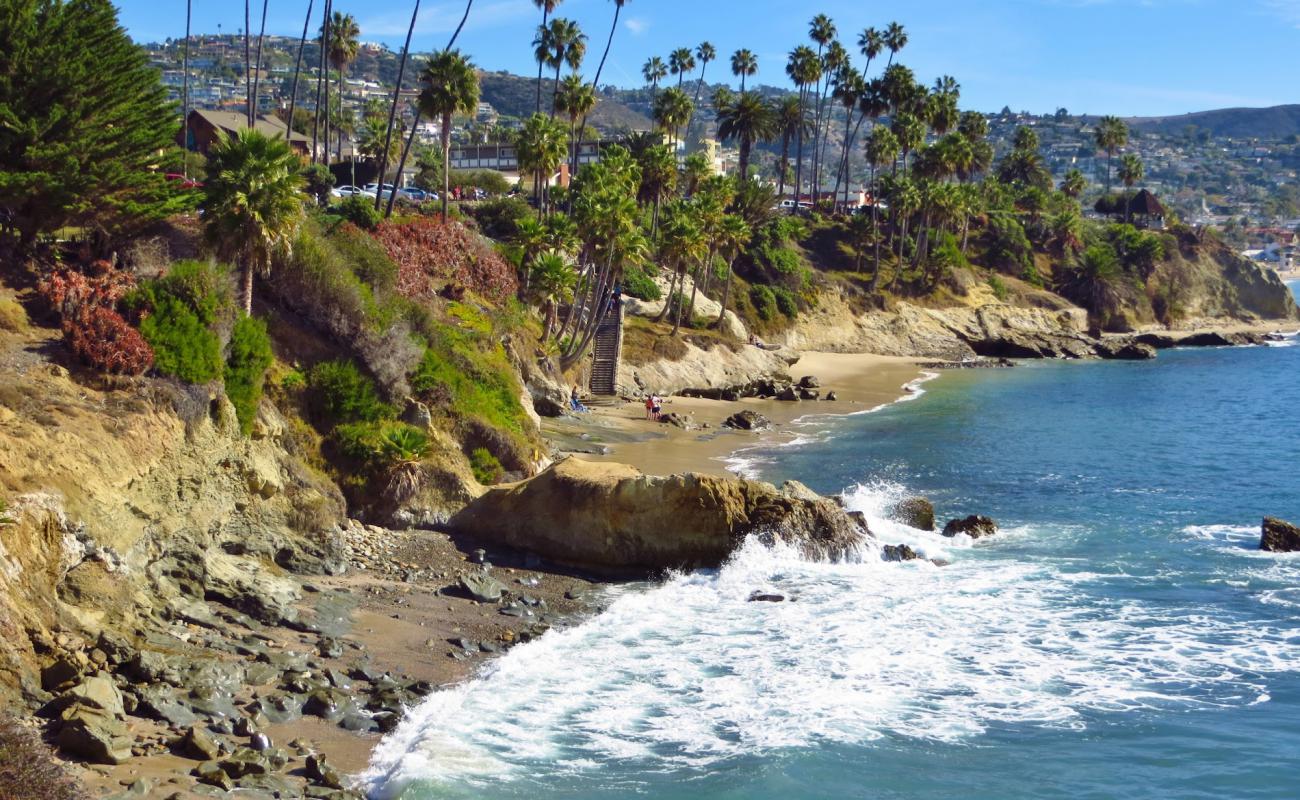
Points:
(974, 526)
(612, 518)
(1279, 536)
(1125, 350)
(914, 512)
(747, 421)
(93, 734)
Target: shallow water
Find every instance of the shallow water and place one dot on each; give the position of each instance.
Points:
(1122, 637)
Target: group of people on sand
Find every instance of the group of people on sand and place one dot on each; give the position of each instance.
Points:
(654, 407)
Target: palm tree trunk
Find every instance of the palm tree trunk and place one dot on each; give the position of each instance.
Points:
(392, 110)
(297, 72)
(456, 33)
(320, 80)
(842, 174)
(798, 159)
(743, 160)
(875, 224)
(185, 98)
(668, 298)
(248, 67)
(699, 84)
(595, 84)
(555, 91)
(246, 289)
(726, 295)
(541, 64)
(785, 165)
(446, 162)
(701, 272)
(257, 75)
(325, 62)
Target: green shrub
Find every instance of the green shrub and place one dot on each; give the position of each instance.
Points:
(246, 365)
(499, 218)
(204, 286)
(293, 380)
(319, 180)
(999, 288)
(764, 301)
(638, 283)
(487, 469)
(183, 346)
(403, 443)
(785, 301)
(360, 211)
(28, 769)
(1008, 246)
(466, 371)
(341, 394)
(783, 260)
(381, 444)
(366, 257)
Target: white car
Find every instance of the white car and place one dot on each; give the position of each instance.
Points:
(371, 189)
(345, 191)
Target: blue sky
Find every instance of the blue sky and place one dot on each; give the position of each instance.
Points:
(1128, 57)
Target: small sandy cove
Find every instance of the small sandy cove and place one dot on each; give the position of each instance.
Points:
(622, 434)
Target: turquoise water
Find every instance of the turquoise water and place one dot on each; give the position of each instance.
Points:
(1122, 637)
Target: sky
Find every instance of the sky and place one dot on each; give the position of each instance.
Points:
(1125, 57)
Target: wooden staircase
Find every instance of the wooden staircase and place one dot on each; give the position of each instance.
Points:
(607, 348)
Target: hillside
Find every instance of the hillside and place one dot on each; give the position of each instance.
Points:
(516, 96)
(1278, 122)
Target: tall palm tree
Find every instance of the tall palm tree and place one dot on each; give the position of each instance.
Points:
(848, 91)
(297, 70)
(881, 148)
(257, 70)
(575, 100)
(746, 120)
(1111, 135)
(415, 123)
(548, 7)
(392, 109)
(704, 53)
(790, 119)
(744, 64)
(560, 43)
(822, 31)
(672, 110)
(595, 82)
(541, 146)
(343, 47)
(658, 177)
(1074, 184)
(185, 95)
(680, 62)
(654, 70)
(248, 67)
(252, 203)
(322, 90)
(448, 86)
(838, 69)
(1131, 172)
(895, 40)
(733, 235)
(804, 68)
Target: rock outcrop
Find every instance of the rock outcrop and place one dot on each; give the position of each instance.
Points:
(974, 526)
(1279, 536)
(914, 512)
(614, 519)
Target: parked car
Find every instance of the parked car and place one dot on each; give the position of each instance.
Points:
(371, 189)
(346, 191)
(412, 193)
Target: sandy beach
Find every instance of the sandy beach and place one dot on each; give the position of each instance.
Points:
(622, 433)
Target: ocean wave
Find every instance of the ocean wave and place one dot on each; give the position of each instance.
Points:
(689, 674)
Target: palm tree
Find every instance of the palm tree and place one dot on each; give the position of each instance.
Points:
(705, 53)
(392, 109)
(881, 149)
(541, 146)
(654, 71)
(895, 39)
(257, 71)
(1111, 135)
(248, 67)
(904, 200)
(252, 203)
(672, 110)
(733, 235)
(746, 120)
(848, 91)
(575, 99)
(658, 177)
(744, 64)
(790, 119)
(822, 31)
(600, 68)
(1074, 184)
(297, 70)
(448, 86)
(803, 68)
(322, 91)
(1130, 172)
(562, 42)
(548, 7)
(343, 47)
(551, 280)
(680, 62)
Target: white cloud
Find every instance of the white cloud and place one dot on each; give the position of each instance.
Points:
(637, 25)
(1286, 10)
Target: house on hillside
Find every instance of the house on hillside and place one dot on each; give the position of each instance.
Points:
(205, 126)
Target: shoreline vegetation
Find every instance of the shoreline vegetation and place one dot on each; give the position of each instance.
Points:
(275, 466)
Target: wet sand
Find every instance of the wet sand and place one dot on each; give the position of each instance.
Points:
(622, 433)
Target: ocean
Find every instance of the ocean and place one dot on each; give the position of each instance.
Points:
(1121, 637)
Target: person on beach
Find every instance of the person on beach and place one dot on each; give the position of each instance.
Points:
(656, 406)
(575, 401)
(650, 407)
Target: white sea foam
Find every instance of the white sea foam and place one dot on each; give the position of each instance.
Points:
(688, 673)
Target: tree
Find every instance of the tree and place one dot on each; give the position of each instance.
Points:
(541, 146)
(342, 50)
(548, 7)
(848, 91)
(562, 42)
(1074, 184)
(1130, 172)
(680, 62)
(600, 68)
(551, 281)
(672, 110)
(1111, 135)
(882, 148)
(830, 57)
(575, 100)
(654, 70)
(895, 39)
(733, 235)
(705, 53)
(297, 71)
(744, 64)
(790, 121)
(804, 68)
(252, 203)
(658, 177)
(746, 120)
(83, 119)
(448, 86)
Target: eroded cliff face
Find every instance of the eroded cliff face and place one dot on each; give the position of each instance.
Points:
(128, 508)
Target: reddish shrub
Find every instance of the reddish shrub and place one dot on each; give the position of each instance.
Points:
(429, 253)
(94, 330)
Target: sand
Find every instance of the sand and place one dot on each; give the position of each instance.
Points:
(622, 434)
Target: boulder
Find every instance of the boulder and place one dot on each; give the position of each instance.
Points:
(676, 420)
(747, 421)
(614, 519)
(914, 512)
(198, 745)
(899, 552)
(832, 397)
(1125, 350)
(482, 587)
(809, 382)
(93, 734)
(974, 526)
(788, 394)
(809, 394)
(1279, 536)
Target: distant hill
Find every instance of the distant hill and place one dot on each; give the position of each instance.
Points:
(1278, 122)
(516, 96)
